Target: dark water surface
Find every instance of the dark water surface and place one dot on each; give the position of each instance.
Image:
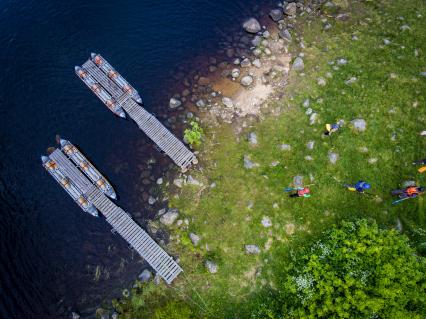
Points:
(50, 249)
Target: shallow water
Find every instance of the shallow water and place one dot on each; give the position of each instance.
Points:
(50, 249)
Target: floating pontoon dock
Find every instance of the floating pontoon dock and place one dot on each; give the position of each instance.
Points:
(123, 95)
(120, 221)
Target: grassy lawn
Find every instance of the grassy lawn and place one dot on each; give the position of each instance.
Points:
(388, 92)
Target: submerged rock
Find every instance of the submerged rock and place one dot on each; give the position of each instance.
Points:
(252, 249)
(75, 315)
(169, 217)
(251, 25)
(211, 266)
(285, 34)
(276, 14)
(174, 103)
(145, 275)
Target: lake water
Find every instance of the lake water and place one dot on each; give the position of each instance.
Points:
(50, 249)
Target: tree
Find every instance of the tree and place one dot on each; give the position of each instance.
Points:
(356, 271)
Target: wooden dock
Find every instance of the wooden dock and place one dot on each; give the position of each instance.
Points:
(122, 223)
(148, 123)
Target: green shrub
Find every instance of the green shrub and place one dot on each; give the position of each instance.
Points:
(194, 134)
(356, 271)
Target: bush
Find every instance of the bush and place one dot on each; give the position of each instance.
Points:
(356, 271)
(194, 134)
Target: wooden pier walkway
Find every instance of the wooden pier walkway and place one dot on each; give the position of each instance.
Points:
(122, 223)
(148, 123)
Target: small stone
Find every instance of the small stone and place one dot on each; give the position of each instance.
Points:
(286, 35)
(211, 267)
(178, 182)
(321, 81)
(333, 157)
(235, 73)
(248, 163)
(161, 211)
(372, 160)
(251, 25)
(213, 185)
(298, 64)
(151, 200)
(266, 34)
(289, 229)
(257, 63)
(200, 103)
(252, 249)
(257, 52)
(250, 204)
(169, 217)
(405, 27)
(287, 147)
(351, 80)
(423, 133)
(247, 80)
(256, 41)
(275, 206)
(327, 26)
(363, 149)
(245, 63)
(309, 111)
(276, 14)
(309, 158)
(306, 103)
(266, 221)
(275, 163)
(194, 238)
(423, 74)
(313, 118)
(192, 181)
(310, 145)
(114, 315)
(386, 41)
(298, 181)
(252, 138)
(398, 225)
(343, 16)
(227, 102)
(342, 62)
(290, 9)
(75, 315)
(174, 103)
(359, 125)
(145, 276)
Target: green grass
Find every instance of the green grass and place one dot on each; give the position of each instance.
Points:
(389, 94)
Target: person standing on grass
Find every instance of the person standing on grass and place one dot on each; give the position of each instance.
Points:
(300, 192)
(360, 187)
(409, 192)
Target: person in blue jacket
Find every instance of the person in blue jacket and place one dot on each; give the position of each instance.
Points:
(360, 187)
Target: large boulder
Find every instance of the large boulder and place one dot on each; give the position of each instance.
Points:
(276, 14)
(169, 217)
(251, 25)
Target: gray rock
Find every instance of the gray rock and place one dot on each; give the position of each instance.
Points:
(309, 158)
(174, 103)
(213, 185)
(423, 133)
(201, 103)
(114, 315)
(194, 238)
(227, 102)
(251, 25)
(306, 103)
(266, 34)
(245, 63)
(298, 64)
(343, 16)
(274, 163)
(178, 182)
(342, 61)
(252, 138)
(159, 181)
(257, 63)
(290, 9)
(327, 26)
(266, 221)
(353, 79)
(333, 157)
(309, 111)
(161, 211)
(386, 41)
(248, 163)
(285, 147)
(235, 73)
(408, 183)
(286, 35)
(423, 73)
(372, 160)
(211, 267)
(145, 275)
(169, 217)
(310, 145)
(398, 225)
(313, 118)
(75, 315)
(256, 40)
(359, 125)
(298, 181)
(252, 249)
(276, 14)
(246, 80)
